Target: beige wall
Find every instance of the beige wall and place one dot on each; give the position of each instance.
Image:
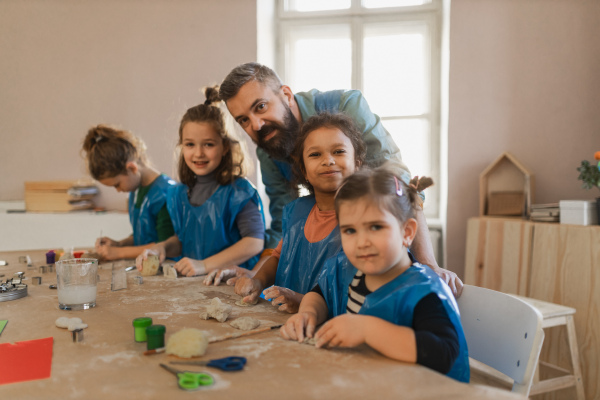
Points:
(67, 65)
(524, 78)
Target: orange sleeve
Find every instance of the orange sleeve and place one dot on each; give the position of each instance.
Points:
(277, 252)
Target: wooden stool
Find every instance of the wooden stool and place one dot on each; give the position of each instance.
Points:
(557, 315)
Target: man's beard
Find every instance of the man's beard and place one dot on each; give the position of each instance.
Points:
(281, 145)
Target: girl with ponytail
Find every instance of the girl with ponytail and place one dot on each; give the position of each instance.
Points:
(216, 212)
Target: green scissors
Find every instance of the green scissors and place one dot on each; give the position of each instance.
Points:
(190, 381)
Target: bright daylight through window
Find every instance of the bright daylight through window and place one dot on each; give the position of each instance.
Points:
(388, 49)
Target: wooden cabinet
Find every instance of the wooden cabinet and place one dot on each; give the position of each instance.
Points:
(550, 262)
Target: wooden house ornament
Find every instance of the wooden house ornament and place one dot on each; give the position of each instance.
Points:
(505, 188)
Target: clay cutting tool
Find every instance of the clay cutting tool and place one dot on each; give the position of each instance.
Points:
(240, 334)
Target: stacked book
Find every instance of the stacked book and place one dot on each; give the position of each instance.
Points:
(59, 196)
(545, 212)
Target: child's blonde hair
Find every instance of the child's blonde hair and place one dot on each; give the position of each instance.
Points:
(386, 190)
(231, 165)
(108, 150)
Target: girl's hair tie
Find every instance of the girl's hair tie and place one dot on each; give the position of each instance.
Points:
(398, 188)
(99, 138)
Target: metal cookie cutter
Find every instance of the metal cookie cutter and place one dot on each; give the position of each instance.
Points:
(77, 335)
(13, 288)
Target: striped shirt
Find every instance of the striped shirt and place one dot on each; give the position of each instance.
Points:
(357, 291)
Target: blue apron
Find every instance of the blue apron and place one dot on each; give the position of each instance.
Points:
(301, 261)
(210, 228)
(143, 219)
(395, 301)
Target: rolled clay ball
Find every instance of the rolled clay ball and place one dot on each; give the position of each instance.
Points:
(150, 266)
(188, 342)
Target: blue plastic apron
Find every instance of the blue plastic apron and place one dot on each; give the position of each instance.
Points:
(143, 219)
(210, 228)
(301, 261)
(395, 301)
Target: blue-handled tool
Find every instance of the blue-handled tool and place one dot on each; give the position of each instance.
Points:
(226, 364)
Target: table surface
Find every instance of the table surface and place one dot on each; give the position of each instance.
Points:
(109, 362)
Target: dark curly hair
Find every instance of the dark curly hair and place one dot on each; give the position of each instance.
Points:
(329, 120)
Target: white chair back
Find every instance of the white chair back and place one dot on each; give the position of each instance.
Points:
(502, 332)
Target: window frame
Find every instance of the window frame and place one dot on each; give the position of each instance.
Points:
(432, 15)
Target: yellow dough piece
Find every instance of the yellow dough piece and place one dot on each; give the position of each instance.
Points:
(188, 342)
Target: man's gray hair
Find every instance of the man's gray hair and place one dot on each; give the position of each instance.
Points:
(245, 73)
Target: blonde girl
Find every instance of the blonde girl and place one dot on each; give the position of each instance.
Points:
(216, 212)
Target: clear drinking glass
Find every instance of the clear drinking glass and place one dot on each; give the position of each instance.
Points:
(76, 283)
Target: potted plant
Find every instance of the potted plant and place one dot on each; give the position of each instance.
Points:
(589, 174)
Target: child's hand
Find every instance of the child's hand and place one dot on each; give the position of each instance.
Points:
(154, 251)
(248, 288)
(285, 299)
(190, 267)
(216, 276)
(346, 330)
(295, 326)
(105, 241)
(240, 273)
(107, 252)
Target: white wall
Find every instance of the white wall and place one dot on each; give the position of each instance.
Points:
(524, 78)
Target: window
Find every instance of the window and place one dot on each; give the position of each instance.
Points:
(388, 49)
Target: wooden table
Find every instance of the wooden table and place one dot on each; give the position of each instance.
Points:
(109, 363)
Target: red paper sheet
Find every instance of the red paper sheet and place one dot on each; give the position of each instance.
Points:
(26, 361)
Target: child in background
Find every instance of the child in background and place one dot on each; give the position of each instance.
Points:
(117, 158)
(329, 149)
(374, 292)
(216, 212)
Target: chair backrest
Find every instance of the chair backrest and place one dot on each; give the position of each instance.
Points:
(502, 332)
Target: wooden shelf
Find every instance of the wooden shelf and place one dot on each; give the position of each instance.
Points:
(551, 262)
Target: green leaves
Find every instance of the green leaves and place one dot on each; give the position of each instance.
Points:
(589, 174)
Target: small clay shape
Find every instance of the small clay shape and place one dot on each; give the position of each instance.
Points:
(217, 310)
(242, 303)
(169, 271)
(245, 323)
(150, 266)
(310, 341)
(64, 322)
(77, 326)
